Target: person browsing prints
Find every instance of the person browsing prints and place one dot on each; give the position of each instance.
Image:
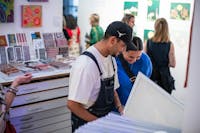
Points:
(93, 77)
(129, 63)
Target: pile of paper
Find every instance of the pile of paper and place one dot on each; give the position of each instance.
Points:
(114, 123)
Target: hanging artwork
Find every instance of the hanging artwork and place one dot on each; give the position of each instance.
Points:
(148, 34)
(153, 9)
(31, 16)
(131, 8)
(180, 11)
(6, 11)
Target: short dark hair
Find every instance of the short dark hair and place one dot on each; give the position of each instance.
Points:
(137, 44)
(71, 22)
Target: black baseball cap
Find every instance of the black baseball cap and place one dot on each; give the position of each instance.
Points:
(122, 31)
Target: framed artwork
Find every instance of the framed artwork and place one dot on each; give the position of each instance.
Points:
(26, 53)
(131, 8)
(31, 16)
(21, 39)
(152, 9)
(18, 53)
(12, 40)
(6, 11)
(3, 41)
(148, 34)
(3, 57)
(11, 55)
(180, 11)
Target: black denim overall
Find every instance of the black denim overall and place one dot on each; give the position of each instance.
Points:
(105, 100)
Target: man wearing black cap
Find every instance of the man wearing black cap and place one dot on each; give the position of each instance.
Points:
(93, 77)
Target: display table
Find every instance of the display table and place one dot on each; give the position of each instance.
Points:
(40, 106)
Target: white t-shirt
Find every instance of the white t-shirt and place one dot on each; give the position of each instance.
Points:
(84, 82)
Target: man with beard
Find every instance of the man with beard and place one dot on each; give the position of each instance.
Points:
(93, 78)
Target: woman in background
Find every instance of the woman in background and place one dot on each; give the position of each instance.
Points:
(129, 19)
(161, 51)
(72, 34)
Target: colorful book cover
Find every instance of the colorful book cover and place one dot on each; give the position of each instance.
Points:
(12, 40)
(26, 53)
(3, 41)
(11, 54)
(60, 39)
(31, 15)
(49, 40)
(18, 53)
(3, 57)
(21, 39)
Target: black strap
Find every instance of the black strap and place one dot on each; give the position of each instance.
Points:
(93, 58)
(126, 68)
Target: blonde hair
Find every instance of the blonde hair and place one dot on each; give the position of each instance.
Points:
(161, 31)
(94, 19)
(127, 18)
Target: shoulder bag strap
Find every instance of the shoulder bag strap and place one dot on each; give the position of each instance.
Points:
(131, 76)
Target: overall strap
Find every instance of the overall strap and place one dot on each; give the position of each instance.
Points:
(93, 58)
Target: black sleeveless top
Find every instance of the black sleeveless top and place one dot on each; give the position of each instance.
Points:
(158, 52)
(159, 55)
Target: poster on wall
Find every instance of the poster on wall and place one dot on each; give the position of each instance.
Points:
(180, 11)
(31, 16)
(153, 9)
(131, 8)
(6, 11)
(148, 34)
(12, 39)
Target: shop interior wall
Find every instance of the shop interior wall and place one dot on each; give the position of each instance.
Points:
(52, 15)
(110, 10)
(191, 118)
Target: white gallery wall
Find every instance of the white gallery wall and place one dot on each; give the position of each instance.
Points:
(192, 108)
(52, 15)
(111, 10)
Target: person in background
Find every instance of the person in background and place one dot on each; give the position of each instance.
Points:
(129, 63)
(162, 54)
(129, 19)
(93, 77)
(96, 32)
(72, 34)
(7, 98)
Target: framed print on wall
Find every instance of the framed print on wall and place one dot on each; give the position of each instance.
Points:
(131, 8)
(6, 11)
(31, 16)
(180, 11)
(153, 9)
(148, 34)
